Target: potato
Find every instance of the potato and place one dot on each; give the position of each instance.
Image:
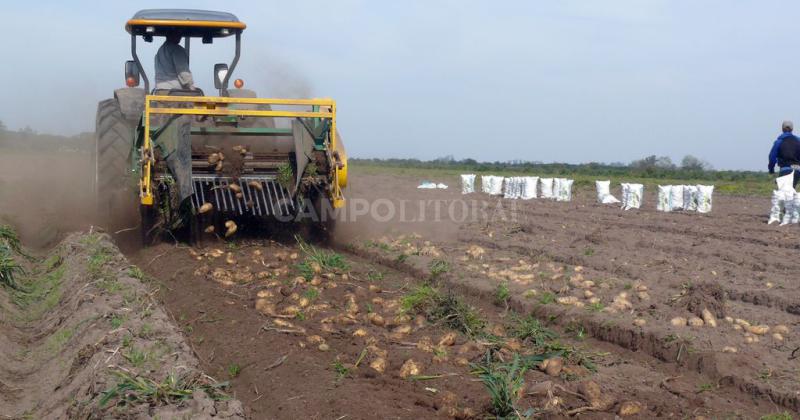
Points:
(205, 208)
(239, 196)
(374, 289)
(729, 320)
(552, 366)
(643, 295)
(378, 365)
(729, 349)
(229, 259)
(749, 339)
(256, 185)
(315, 339)
(231, 225)
(324, 347)
(742, 322)
(221, 155)
(594, 395)
(461, 361)
(213, 158)
(567, 300)
(781, 329)
(737, 327)
(709, 318)
(235, 187)
(678, 321)
(629, 408)
(448, 339)
(265, 306)
(409, 368)
(377, 320)
(209, 229)
(696, 322)
(777, 337)
(758, 329)
(218, 168)
(360, 333)
(588, 294)
(639, 322)
(265, 294)
(303, 302)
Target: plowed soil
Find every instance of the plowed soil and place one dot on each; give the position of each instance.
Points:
(608, 283)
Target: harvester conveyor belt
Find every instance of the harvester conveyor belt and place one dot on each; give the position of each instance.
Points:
(271, 200)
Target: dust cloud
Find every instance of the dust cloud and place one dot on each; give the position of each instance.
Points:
(45, 192)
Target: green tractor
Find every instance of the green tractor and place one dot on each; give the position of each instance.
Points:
(203, 163)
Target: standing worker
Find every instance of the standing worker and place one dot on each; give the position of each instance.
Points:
(786, 153)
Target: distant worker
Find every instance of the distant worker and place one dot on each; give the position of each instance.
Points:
(786, 153)
(172, 65)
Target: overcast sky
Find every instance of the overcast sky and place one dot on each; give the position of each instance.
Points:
(567, 81)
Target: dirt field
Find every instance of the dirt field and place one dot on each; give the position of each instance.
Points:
(630, 274)
(412, 316)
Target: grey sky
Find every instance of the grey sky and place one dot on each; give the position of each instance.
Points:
(572, 81)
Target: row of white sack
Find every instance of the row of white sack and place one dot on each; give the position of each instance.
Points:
(520, 187)
(685, 197)
(670, 197)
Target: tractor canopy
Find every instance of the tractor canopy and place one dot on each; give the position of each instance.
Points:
(192, 23)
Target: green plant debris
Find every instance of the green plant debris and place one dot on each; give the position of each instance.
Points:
(547, 298)
(502, 294)
(285, 175)
(505, 384)
(438, 267)
(234, 369)
(317, 261)
(131, 390)
(529, 329)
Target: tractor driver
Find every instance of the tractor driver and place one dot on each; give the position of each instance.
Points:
(172, 65)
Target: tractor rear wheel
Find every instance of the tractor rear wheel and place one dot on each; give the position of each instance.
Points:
(115, 196)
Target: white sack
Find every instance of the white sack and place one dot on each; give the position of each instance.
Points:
(529, 187)
(495, 185)
(676, 197)
(511, 187)
(785, 183)
(604, 192)
(467, 183)
(704, 198)
(664, 194)
(690, 197)
(564, 192)
(547, 187)
(486, 183)
(778, 201)
(789, 207)
(632, 196)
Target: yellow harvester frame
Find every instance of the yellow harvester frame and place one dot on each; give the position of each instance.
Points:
(218, 106)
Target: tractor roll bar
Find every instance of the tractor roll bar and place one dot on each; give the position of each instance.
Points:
(233, 64)
(139, 64)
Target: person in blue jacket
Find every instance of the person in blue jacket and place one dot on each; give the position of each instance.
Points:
(786, 153)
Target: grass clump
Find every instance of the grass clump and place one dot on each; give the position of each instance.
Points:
(234, 370)
(438, 267)
(778, 416)
(447, 309)
(529, 329)
(502, 294)
(547, 298)
(341, 370)
(419, 299)
(9, 268)
(505, 384)
(131, 390)
(317, 261)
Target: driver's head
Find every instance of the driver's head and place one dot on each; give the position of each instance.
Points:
(173, 37)
(787, 126)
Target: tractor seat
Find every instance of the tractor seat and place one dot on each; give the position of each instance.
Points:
(178, 92)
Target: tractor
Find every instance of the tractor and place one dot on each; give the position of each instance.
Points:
(204, 164)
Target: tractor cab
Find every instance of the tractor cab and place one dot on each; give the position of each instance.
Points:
(199, 24)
